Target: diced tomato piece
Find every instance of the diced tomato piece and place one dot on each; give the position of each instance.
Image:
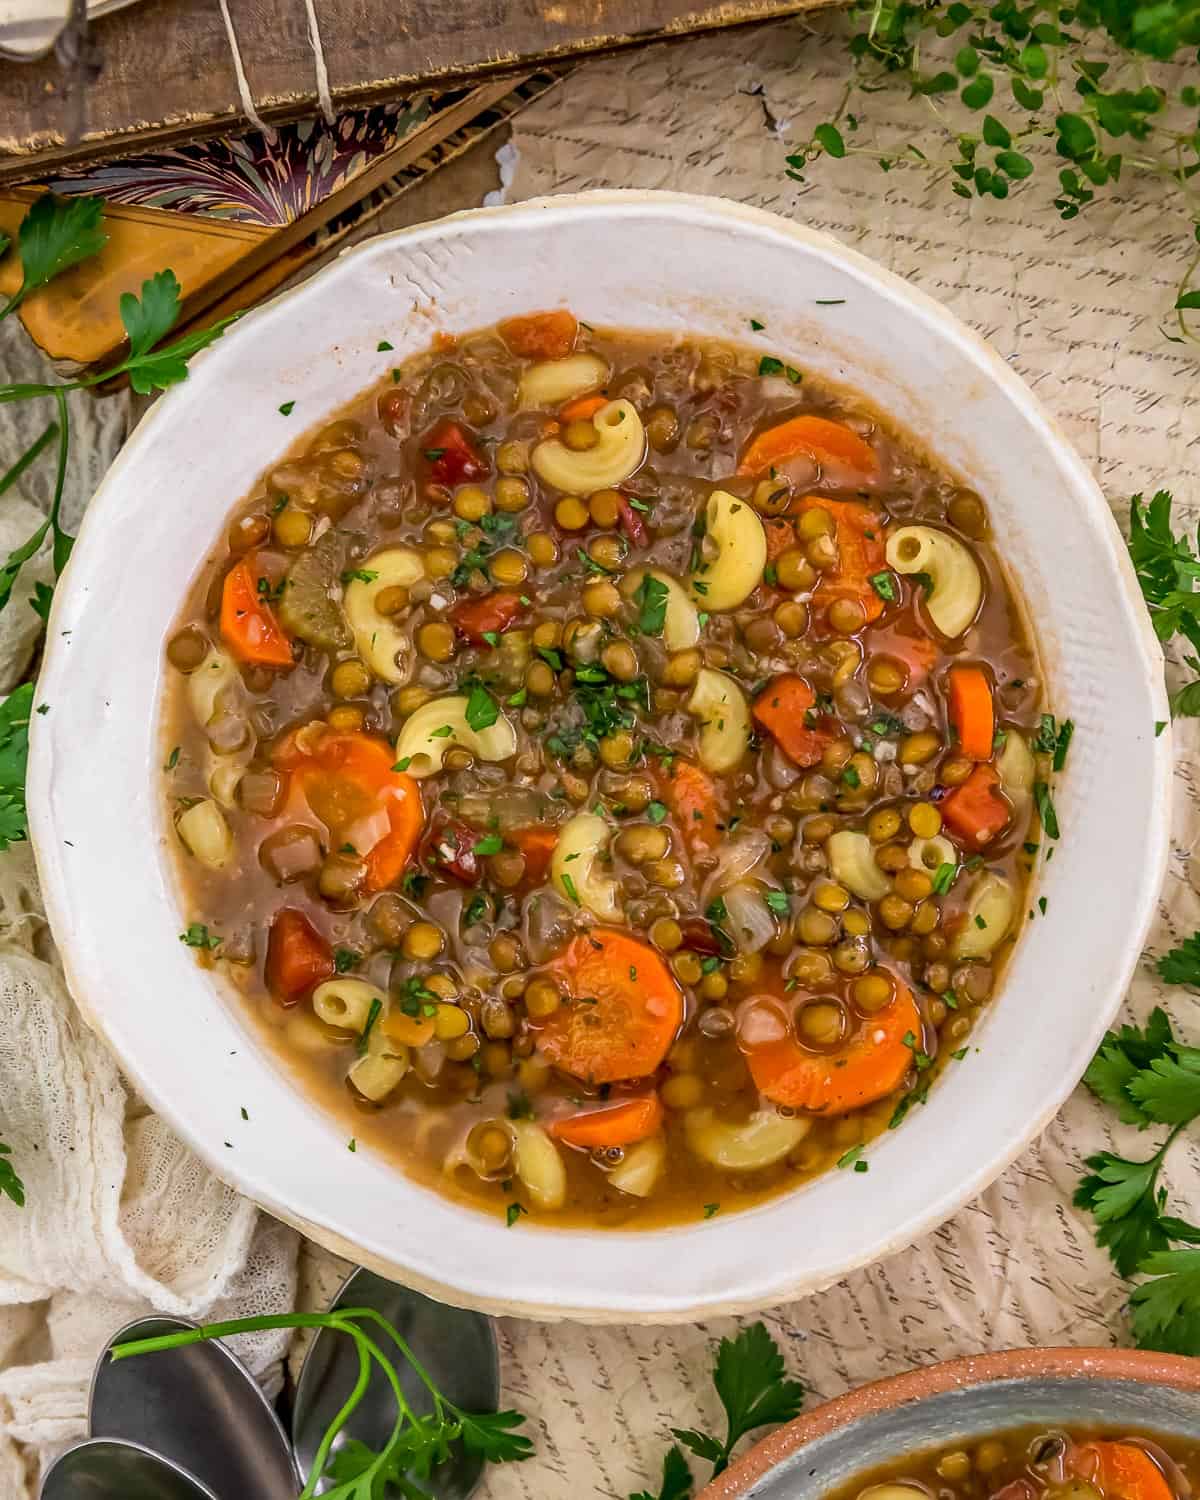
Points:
(781, 534)
(298, 957)
(449, 848)
(631, 523)
(453, 454)
(699, 937)
(476, 619)
(542, 335)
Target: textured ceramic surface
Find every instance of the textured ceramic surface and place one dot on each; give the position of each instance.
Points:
(651, 261)
(961, 1401)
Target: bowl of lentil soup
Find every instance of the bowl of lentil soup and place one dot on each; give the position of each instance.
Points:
(1021, 1424)
(601, 766)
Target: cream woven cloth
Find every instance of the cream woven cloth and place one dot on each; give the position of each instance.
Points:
(120, 1217)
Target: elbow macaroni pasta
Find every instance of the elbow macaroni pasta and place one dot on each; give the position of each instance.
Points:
(581, 845)
(554, 381)
(346, 1003)
(681, 620)
(991, 904)
(957, 586)
(852, 862)
(725, 731)
(735, 530)
(619, 451)
(206, 834)
(380, 643)
(434, 727)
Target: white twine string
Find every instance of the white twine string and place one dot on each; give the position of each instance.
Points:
(314, 38)
(239, 71)
(324, 97)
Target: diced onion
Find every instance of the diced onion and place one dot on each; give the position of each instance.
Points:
(750, 925)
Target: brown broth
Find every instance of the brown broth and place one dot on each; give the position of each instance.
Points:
(1043, 1463)
(368, 480)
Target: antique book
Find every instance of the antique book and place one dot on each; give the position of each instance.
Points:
(161, 71)
(234, 216)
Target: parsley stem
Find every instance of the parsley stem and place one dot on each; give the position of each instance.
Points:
(62, 542)
(321, 1458)
(31, 453)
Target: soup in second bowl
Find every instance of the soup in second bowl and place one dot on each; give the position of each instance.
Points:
(607, 763)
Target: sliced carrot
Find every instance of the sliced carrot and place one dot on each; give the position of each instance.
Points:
(696, 800)
(613, 1125)
(971, 711)
(298, 957)
(537, 845)
(781, 534)
(870, 1063)
(581, 408)
(1124, 1471)
(977, 811)
(542, 335)
(248, 624)
(347, 780)
(785, 710)
(861, 553)
(621, 1011)
(826, 441)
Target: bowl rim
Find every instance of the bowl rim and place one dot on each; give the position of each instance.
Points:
(910, 1387)
(607, 1303)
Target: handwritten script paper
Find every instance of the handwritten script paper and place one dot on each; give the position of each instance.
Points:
(1077, 308)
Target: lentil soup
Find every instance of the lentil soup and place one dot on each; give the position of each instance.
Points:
(1032, 1463)
(606, 766)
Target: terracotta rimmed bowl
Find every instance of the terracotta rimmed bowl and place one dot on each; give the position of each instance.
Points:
(650, 261)
(963, 1401)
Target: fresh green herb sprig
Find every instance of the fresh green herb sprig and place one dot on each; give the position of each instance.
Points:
(751, 1382)
(1167, 567)
(417, 1444)
(1001, 80)
(1149, 1078)
(11, 1185)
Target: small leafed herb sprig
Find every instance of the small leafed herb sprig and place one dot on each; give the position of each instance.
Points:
(1000, 78)
(1167, 568)
(417, 1444)
(751, 1381)
(1149, 1078)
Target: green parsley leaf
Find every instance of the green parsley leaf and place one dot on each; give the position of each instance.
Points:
(1045, 807)
(750, 1378)
(287, 408)
(1166, 1311)
(482, 709)
(374, 1011)
(56, 234)
(778, 902)
(11, 1185)
(198, 936)
(656, 811)
(383, 346)
(884, 585)
(491, 843)
(569, 886)
(1122, 1199)
(756, 325)
(15, 714)
(346, 960)
(769, 365)
(359, 575)
(676, 1479)
(519, 1106)
(651, 598)
(851, 1157)
(1168, 1089)
(403, 763)
(512, 1213)
(1181, 964)
(944, 878)
(476, 909)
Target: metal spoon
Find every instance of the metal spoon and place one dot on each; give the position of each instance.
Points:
(458, 1348)
(111, 1469)
(200, 1407)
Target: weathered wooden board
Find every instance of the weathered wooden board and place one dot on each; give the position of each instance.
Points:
(164, 69)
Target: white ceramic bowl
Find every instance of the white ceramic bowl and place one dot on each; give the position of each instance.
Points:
(652, 261)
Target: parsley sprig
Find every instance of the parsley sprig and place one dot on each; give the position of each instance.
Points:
(1004, 82)
(1149, 1078)
(417, 1444)
(1167, 568)
(751, 1382)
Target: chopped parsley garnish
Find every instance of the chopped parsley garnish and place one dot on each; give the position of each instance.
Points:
(851, 1158)
(383, 346)
(403, 763)
(656, 811)
(923, 581)
(476, 909)
(651, 600)
(944, 878)
(519, 1106)
(172, 759)
(345, 959)
(885, 586)
(710, 1209)
(778, 902)
(569, 886)
(287, 408)
(433, 454)
(374, 1011)
(756, 325)
(198, 936)
(414, 994)
(769, 365)
(512, 1213)
(359, 575)
(492, 637)
(921, 1058)
(491, 843)
(1045, 807)
(851, 777)
(482, 709)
